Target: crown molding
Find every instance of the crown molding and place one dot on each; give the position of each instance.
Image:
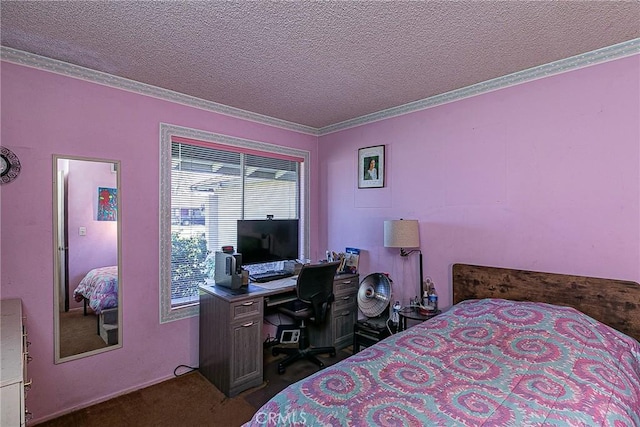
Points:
(59, 67)
(598, 56)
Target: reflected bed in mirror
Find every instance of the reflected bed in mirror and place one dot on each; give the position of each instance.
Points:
(87, 302)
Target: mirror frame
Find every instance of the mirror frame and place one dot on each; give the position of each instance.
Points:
(56, 259)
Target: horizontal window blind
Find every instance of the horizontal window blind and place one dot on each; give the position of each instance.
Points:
(212, 188)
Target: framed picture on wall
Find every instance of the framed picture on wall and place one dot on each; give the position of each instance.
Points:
(107, 204)
(371, 167)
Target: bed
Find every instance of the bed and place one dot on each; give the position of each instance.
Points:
(502, 355)
(99, 289)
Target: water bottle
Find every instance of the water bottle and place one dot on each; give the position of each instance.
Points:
(395, 315)
(433, 298)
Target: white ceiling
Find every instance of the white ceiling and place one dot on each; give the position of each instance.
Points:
(315, 63)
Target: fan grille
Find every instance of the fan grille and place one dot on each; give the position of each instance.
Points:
(374, 294)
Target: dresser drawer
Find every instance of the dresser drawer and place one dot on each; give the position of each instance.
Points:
(14, 358)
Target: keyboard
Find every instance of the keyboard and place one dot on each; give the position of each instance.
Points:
(268, 276)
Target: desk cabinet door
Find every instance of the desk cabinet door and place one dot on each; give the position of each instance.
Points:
(231, 342)
(345, 314)
(246, 354)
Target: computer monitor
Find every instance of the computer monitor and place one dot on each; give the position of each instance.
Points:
(267, 240)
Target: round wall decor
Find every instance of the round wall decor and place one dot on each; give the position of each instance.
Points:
(9, 165)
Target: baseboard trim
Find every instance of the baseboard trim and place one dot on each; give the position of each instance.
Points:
(100, 400)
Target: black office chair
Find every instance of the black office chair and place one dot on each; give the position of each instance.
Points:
(315, 295)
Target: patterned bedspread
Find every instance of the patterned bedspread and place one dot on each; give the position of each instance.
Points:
(100, 287)
(484, 362)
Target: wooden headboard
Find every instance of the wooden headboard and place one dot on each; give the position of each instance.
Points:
(612, 302)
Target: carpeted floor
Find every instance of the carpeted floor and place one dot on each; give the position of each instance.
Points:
(275, 382)
(190, 400)
(78, 333)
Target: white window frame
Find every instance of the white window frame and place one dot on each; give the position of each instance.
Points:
(167, 132)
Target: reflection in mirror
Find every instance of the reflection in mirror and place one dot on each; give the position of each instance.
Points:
(87, 302)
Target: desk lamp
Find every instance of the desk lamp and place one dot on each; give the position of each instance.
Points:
(404, 233)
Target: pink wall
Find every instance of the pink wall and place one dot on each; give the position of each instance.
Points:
(44, 114)
(542, 176)
(99, 247)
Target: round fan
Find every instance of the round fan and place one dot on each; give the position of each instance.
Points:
(374, 294)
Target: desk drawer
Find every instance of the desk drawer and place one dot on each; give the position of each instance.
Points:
(347, 285)
(343, 301)
(344, 306)
(247, 308)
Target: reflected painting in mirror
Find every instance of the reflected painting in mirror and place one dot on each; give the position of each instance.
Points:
(87, 302)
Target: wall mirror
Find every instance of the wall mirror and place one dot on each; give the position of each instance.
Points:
(87, 238)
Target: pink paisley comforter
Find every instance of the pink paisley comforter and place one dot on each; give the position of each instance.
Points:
(484, 362)
(100, 288)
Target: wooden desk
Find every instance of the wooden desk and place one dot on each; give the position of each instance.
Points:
(231, 345)
(231, 333)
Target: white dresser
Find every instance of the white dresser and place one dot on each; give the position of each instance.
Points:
(13, 366)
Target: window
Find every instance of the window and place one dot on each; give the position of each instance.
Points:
(208, 182)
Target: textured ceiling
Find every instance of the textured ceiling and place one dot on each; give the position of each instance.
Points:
(315, 63)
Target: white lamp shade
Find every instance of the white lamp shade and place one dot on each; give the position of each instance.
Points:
(403, 233)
